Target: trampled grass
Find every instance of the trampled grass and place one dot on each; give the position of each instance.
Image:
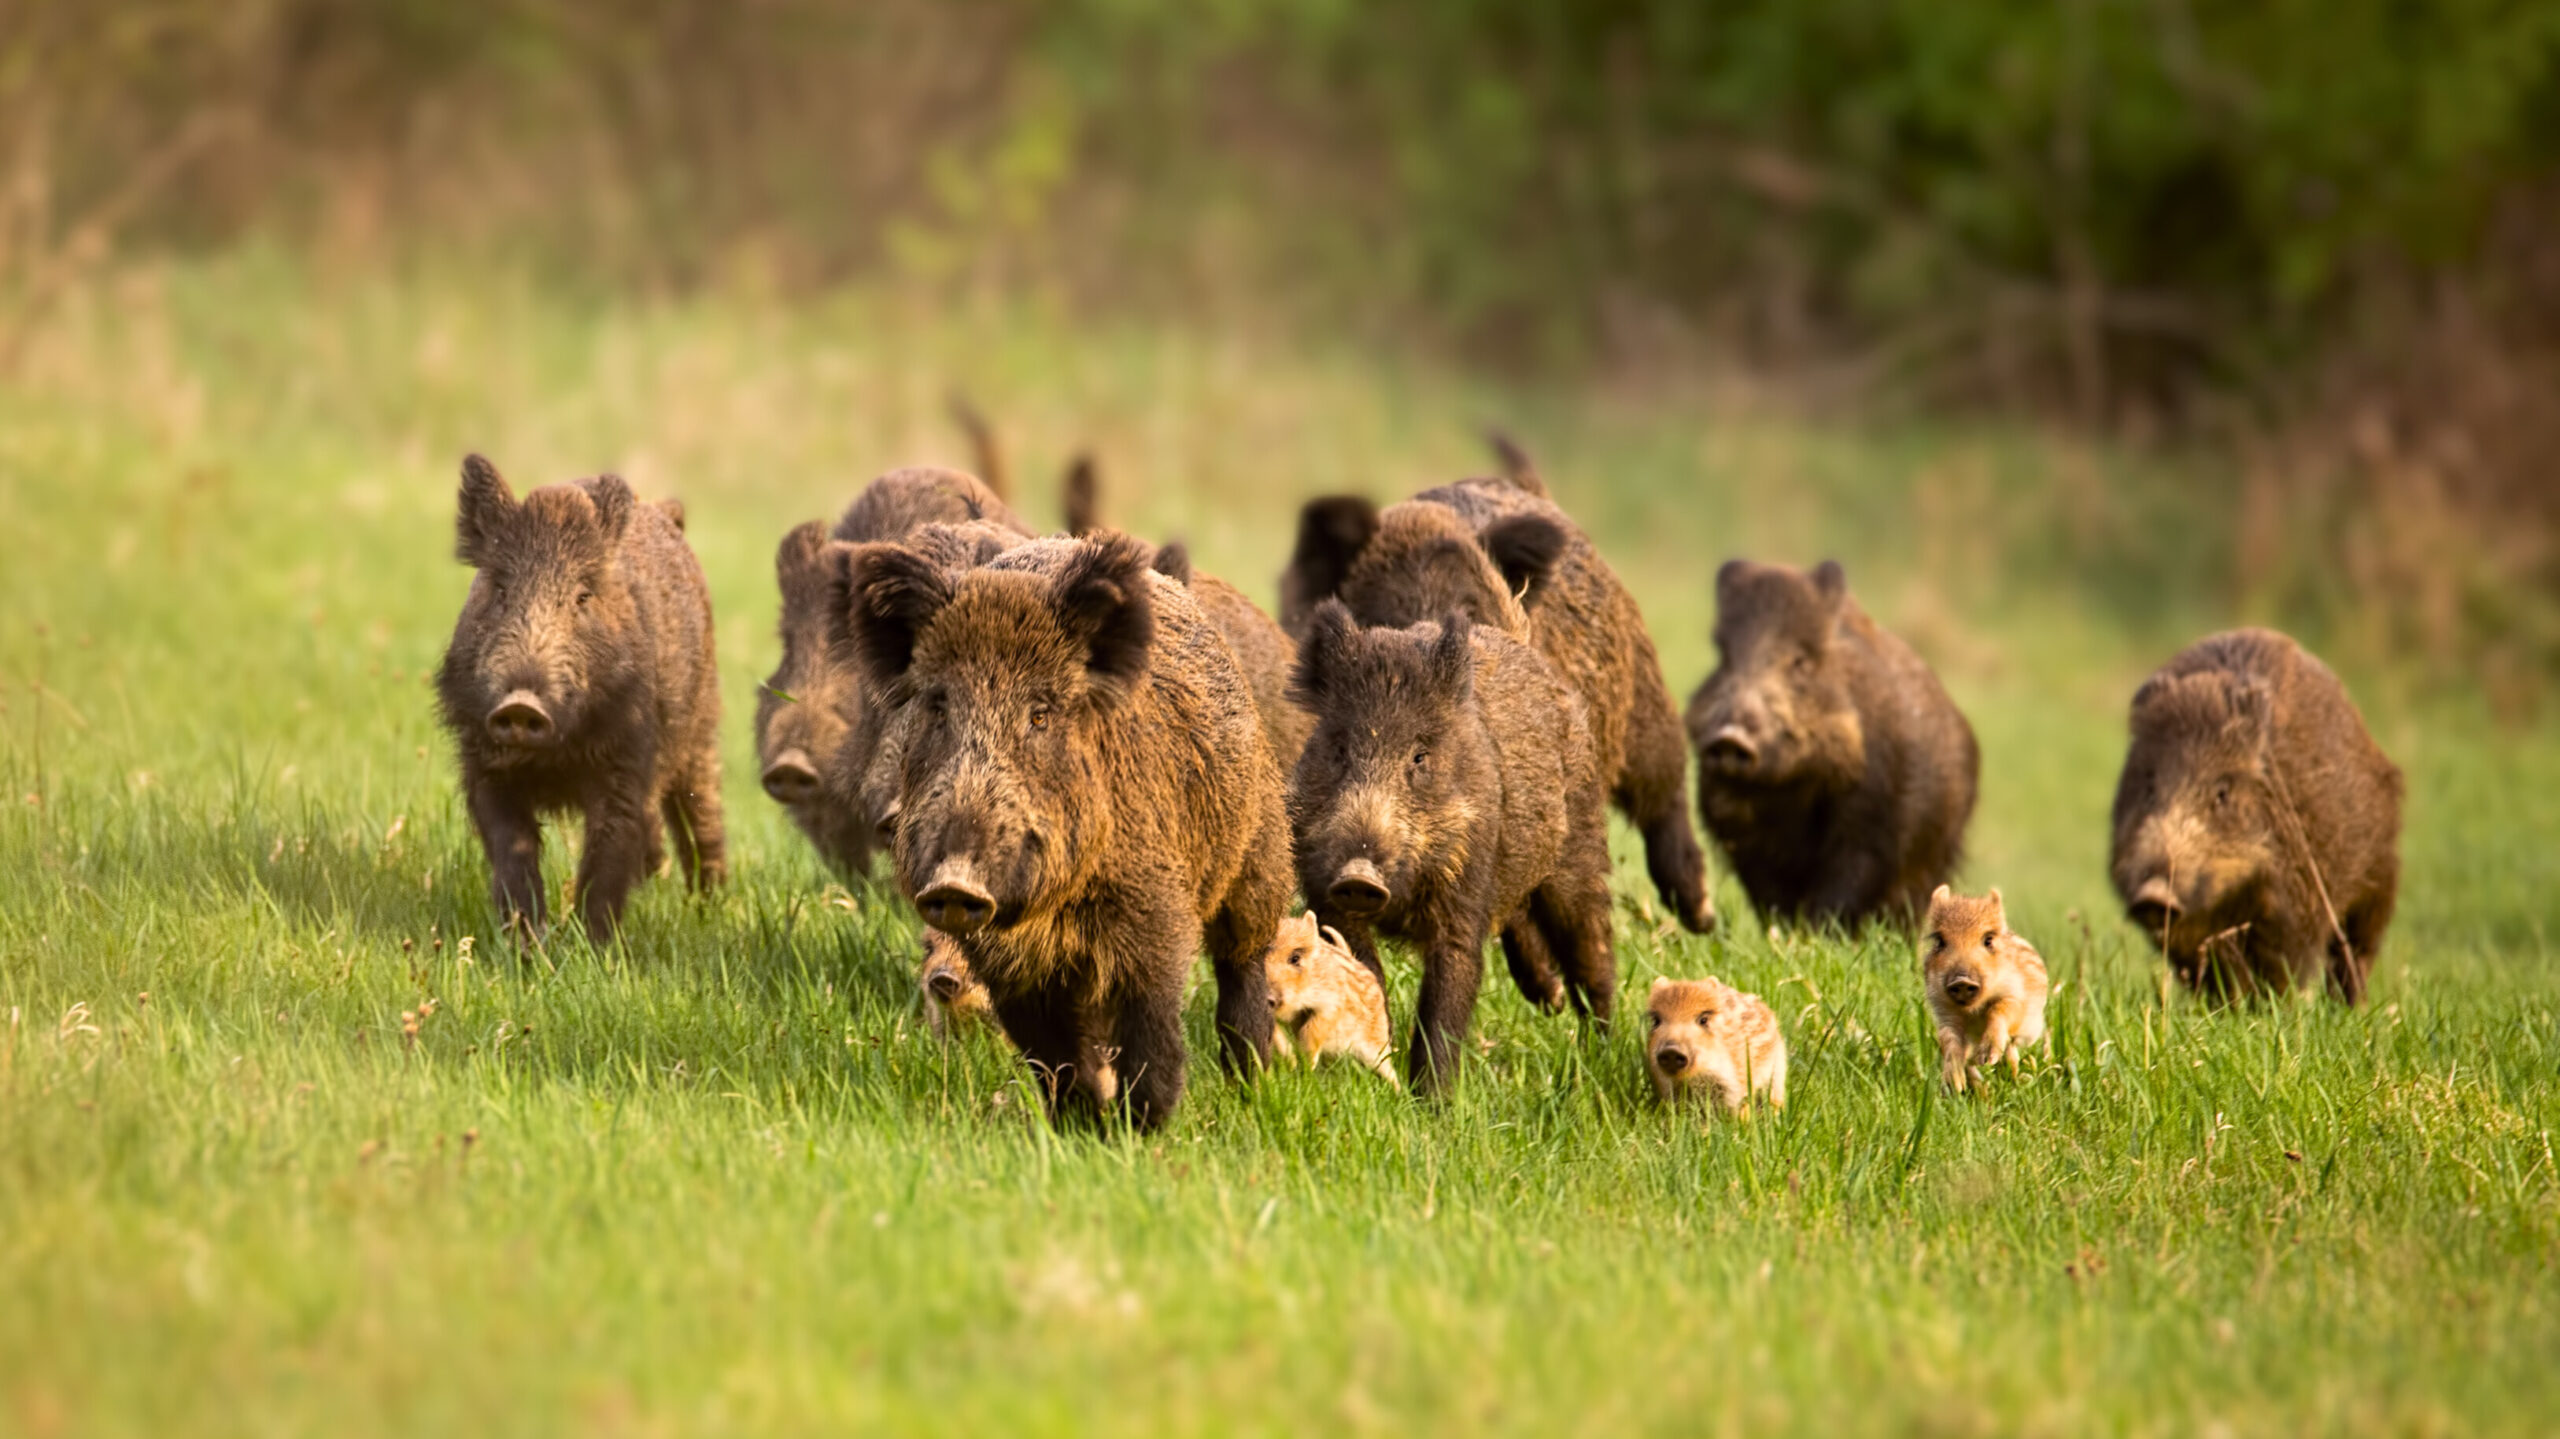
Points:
(718, 1179)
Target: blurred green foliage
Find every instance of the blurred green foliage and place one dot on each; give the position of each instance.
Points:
(2100, 197)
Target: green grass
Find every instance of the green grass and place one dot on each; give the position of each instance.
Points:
(716, 1178)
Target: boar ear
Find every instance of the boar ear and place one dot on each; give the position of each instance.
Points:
(1729, 579)
(481, 510)
(1453, 658)
(673, 509)
(799, 563)
(613, 501)
(1999, 909)
(1102, 597)
(1327, 631)
(1083, 497)
(883, 597)
(1173, 561)
(1331, 534)
(1830, 582)
(1525, 548)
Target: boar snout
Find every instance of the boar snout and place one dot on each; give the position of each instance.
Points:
(1358, 889)
(1732, 748)
(954, 901)
(1672, 1061)
(521, 719)
(791, 779)
(2155, 905)
(944, 984)
(1962, 989)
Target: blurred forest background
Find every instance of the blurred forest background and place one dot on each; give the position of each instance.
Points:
(2313, 239)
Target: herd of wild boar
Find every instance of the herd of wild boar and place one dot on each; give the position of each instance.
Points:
(1088, 761)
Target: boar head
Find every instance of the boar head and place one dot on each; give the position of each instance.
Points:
(1385, 796)
(1415, 562)
(1001, 687)
(1780, 708)
(548, 633)
(2195, 813)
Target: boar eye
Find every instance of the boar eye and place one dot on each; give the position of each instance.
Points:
(584, 595)
(1653, 1021)
(1990, 938)
(1297, 960)
(1421, 757)
(1803, 664)
(1706, 1016)
(2222, 794)
(1039, 716)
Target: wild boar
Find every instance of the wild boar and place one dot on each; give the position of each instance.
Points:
(1325, 998)
(581, 677)
(1985, 985)
(809, 712)
(1832, 767)
(1083, 791)
(1704, 1037)
(1448, 788)
(1505, 556)
(2257, 824)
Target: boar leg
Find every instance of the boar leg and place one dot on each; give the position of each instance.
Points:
(1575, 918)
(692, 810)
(1044, 1029)
(1955, 1058)
(617, 857)
(1151, 1059)
(512, 838)
(1452, 972)
(1652, 791)
(1239, 937)
(1533, 964)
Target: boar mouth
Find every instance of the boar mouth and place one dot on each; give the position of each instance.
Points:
(522, 721)
(2154, 907)
(1732, 750)
(1359, 890)
(954, 901)
(791, 779)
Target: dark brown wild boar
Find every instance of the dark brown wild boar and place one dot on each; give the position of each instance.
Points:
(581, 677)
(1501, 554)
(1449, 788)
(809, 712)
(1832, 767)
(1083, 791)
(2257, 824)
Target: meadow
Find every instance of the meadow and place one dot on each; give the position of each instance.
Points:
(289, 1142)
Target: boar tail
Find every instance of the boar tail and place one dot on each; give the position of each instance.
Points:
(1517, 467)
(985, 455)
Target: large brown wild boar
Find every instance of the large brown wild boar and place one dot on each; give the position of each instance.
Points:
(1083, 791)
(2257, 824)
(1449, 788)
(1505, 556)
(809, 712)
(581, 677)
(1832, 767)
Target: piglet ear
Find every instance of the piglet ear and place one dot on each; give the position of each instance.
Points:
(1525, 548)
(883, 596)
(481, 510)
(1102, 598)
(1939, 895)
(1453, 658)
(1328, 631)
(613, 501)
(1831, 582)
(1661, 982)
